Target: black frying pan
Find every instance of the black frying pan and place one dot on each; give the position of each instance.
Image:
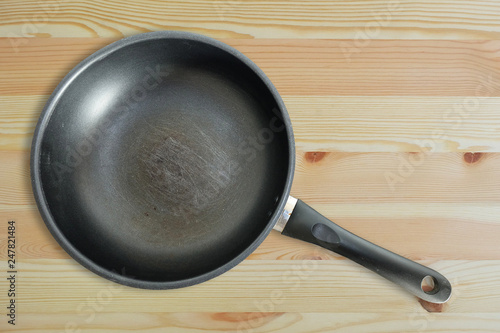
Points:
(166, 158)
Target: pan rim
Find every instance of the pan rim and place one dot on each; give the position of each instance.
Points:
(46, 114)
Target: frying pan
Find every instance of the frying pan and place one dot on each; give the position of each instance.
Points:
(165, 159)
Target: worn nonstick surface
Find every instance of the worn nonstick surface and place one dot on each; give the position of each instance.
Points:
(166, 158)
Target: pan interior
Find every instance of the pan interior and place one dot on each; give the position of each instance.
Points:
(163, 160)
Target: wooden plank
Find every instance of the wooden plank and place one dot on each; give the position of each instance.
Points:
(61, 286)
(415, 238)
(255, 322)
(444, 202)
(355, 177)
(398, 124)
(456, 19)
(397, 177)
(336, 123)
(420, 231)
(345, 178)
(297, 67)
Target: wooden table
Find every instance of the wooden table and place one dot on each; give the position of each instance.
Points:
(396, 109)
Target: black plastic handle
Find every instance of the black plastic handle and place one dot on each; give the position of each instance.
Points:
(308, 225)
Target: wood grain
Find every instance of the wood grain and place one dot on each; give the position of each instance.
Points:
(259, 322)
(370, 87)
(410, 219)
(297, 67)
(397, 178)
(276, 286)
(345, 178)
(18, 118)
(455, 19)
(412, 230)
(394, 124)
(335, 123)
(15, 192)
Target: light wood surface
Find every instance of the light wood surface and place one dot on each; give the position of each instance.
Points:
(410, 19)
(388, 100)
(298, 67)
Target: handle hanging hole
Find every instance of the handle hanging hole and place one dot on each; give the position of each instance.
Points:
(429, 285)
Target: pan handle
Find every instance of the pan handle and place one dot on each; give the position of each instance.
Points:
(302, 222)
